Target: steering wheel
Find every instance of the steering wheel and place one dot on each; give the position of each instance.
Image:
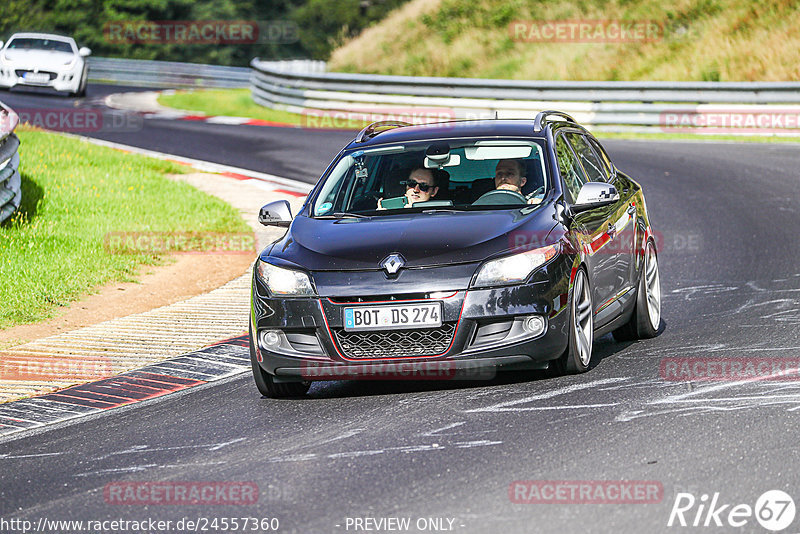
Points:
(500, 196)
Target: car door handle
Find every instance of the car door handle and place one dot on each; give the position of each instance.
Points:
(612, 229)
(632, 209)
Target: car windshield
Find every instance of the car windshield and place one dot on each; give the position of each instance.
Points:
(455, 175)
(30, 43)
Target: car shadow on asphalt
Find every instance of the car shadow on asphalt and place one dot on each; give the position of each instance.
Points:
(605, 347)
(35, 91)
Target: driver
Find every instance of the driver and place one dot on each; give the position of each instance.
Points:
(509, 175)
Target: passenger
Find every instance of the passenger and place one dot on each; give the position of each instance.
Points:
(421, 186)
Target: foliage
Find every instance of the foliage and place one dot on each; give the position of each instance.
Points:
(320, 25)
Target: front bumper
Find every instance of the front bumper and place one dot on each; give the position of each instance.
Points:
(481, 332)
(67, 79)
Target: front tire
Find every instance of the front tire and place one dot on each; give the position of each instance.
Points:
(265, 382)
(82, 87)
(578, 356)
(646, 318)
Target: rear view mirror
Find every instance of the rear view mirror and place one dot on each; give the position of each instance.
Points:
(276, 213)
(595, 195)
(438, 154)
(453, 160)
(85, 52)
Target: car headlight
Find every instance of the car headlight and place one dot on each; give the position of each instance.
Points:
(513, 269)
(285, 282)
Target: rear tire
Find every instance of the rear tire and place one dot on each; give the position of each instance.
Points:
(578, 356)
(646, 318)
(266, 384)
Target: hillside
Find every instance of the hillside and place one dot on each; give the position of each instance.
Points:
(287, 29)
(699, 40)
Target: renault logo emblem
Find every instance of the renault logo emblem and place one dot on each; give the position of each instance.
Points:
(393, 263)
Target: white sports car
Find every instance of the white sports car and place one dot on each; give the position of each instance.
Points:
(44, 60)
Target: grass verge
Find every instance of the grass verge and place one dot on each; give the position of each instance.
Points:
(709, 138)
(227, 102)
(239, 103)
(74, 195)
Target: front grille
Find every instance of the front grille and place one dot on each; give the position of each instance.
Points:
(379, 298)
(396, 343)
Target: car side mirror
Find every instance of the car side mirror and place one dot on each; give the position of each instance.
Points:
(85, 52)
(1, 45)
(277, 213)
(595, 195)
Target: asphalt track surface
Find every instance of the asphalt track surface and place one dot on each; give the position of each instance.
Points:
(287, 152)
(728, 215)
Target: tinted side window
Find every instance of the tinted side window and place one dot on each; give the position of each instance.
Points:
(600, 151)
(591, 163)
(569, 168)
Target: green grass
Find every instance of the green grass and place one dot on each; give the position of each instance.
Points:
(239, 103)
(697, 137)
(74, 194)
(228, 102)
(211, 102)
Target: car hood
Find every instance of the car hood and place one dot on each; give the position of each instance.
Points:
(429, 239)
(40, 59)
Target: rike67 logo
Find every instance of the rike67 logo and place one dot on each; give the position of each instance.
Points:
(774, 510)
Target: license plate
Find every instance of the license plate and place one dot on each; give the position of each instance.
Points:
(36, 77)
(396, 317)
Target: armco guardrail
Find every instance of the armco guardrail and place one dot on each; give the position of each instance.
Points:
(163, 74)
(10, 180)
(171, 74)
(644, 106)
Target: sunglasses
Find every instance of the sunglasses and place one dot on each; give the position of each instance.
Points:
(411, 184)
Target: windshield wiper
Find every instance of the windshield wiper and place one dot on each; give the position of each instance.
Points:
(342, 215)
(448, 209)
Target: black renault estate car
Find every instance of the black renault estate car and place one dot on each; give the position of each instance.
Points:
(435, 250)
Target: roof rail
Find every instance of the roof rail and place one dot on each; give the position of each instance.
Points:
(541, 118)
(371, 131)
